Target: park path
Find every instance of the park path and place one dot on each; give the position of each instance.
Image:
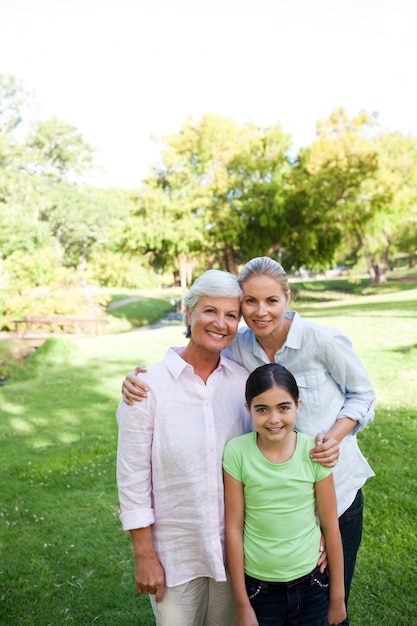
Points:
(115, 305)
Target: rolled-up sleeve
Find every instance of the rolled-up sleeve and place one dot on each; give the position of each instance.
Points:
(346, 369)
(134, 466)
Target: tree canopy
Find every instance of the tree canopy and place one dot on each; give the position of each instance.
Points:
(220, 194)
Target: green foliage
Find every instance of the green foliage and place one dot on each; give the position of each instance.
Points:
(219, 188)
(21, 232)
(221, 194)
(81, 220)
(330, 196)
(39, 269)
(113, 269)
(65, 295)
(395, 228)
(58, 151)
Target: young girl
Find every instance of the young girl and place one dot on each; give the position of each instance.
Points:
(272, 489)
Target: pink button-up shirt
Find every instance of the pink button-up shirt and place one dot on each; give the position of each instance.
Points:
(169, 462)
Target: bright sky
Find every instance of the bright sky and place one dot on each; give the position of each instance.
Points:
(122, 71)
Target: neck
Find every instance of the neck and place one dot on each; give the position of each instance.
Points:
(202, 361)
(272, 343)
(278, 451)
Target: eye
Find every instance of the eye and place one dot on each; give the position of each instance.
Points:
(232, 315)
(273, 301)
(261, 409)
(249, 300)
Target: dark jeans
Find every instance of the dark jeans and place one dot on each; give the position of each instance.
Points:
(301, 602)
(350, 524)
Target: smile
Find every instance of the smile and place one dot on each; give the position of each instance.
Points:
(276, 429)
(215, 335)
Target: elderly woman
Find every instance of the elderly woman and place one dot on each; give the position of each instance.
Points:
(169, 462)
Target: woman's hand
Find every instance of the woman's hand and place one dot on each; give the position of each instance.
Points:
(150, 578)
(326, 451)
(133, 389)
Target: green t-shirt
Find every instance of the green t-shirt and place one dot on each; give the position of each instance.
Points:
(281, 533)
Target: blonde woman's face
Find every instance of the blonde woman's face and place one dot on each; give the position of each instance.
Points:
(264, 305)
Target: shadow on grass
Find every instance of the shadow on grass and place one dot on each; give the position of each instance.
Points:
(64, 555)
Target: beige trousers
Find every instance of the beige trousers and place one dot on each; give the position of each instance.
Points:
(199, 602)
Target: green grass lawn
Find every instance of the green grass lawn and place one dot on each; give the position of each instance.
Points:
(64, 558)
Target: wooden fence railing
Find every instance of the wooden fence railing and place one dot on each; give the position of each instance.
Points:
(58, 324)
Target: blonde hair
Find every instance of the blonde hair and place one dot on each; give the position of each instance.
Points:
(265, 266)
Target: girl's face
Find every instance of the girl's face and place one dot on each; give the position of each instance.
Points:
(264, 305)
(214, 322)
(273, 413)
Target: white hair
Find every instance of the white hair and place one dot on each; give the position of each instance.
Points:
(214, 283)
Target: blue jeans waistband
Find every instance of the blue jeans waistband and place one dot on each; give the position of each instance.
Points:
(279, 585)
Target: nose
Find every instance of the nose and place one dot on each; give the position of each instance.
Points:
(220, 321)
(260, 311)
(275, 418)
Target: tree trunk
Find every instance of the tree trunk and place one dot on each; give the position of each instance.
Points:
(378, 275)
(185, 271)
(229, 259)
(378, 271)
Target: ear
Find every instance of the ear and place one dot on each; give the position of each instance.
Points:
(298, 405)
(247, 407)
(188, 314)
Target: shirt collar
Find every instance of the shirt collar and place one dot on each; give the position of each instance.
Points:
(296, 330)
(176, 364)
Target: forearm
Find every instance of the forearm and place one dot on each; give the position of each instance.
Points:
(150, 577)
(235, 566)
(335, 563)
(142, 542)
(337, 607)
(341, 428)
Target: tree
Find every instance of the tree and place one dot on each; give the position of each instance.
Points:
(57, 151)
(40, 205)
(394, 229)
(13, 105)
(80, 218)
(334, 190)
(19, 230)
(213, 197)
(247, 218)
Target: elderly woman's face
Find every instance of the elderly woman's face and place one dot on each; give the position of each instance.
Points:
(214, 322)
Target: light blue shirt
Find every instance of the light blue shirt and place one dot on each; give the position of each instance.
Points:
(333, 384)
